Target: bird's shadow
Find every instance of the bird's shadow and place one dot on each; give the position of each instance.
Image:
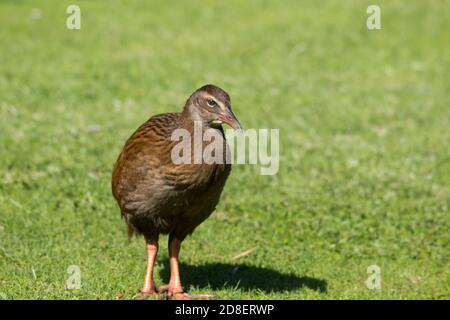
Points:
(217, 276)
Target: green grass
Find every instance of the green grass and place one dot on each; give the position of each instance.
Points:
(364, 127)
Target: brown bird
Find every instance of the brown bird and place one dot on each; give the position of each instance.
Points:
(158, 195)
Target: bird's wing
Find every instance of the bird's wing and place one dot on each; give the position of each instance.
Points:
(140, 162)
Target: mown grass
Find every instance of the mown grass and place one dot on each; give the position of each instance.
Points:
(364, 126)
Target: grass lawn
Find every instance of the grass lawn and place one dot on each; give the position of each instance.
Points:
(364, 173)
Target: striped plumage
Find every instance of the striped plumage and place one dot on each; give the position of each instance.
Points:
(155, 195)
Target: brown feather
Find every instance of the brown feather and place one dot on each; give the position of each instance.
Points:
(156, 196)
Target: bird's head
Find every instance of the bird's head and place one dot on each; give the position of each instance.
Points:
(212, 106)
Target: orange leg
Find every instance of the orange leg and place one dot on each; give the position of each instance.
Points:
(174, 288)
(149, 285)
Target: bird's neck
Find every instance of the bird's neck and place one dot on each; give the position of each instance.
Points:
(189, 119)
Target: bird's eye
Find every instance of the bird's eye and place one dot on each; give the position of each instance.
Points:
(211, 103)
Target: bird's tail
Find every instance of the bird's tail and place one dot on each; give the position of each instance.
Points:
(131, 230)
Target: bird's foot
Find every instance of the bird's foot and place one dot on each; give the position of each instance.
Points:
(162, 288)
(179, 294)
(147, 294)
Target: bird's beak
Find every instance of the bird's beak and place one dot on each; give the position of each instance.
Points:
(229, 118)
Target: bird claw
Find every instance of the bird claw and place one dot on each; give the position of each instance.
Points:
(181, 295)
(162, 288)
(144, 295)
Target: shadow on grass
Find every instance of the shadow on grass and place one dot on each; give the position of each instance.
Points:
(219, 276)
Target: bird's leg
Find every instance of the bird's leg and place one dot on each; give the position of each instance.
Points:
(149, 285)
(174, 289)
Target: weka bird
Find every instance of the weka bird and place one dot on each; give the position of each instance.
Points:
(157, 196)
